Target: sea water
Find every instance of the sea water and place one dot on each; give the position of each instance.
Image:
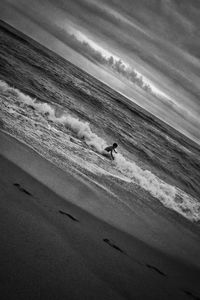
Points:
(69, 117)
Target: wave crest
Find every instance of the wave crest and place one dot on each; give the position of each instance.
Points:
(170, 196)
(146, 179)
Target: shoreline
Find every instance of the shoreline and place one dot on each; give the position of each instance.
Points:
(142, 222)
(52, 247)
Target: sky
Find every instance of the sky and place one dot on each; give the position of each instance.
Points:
(148, 50)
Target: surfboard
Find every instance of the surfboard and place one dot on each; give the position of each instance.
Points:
(106, 154)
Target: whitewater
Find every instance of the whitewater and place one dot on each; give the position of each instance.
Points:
(18, 109)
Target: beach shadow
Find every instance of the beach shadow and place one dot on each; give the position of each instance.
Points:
(191, 295)
(68, 215)
(21, 189)
(155, 269)
(111, 244)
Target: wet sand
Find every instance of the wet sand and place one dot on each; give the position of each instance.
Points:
(57, 241)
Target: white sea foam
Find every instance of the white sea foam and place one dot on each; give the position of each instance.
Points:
(170, 196)
(146, 179)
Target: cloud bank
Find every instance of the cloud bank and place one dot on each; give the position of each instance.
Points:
(117, 65)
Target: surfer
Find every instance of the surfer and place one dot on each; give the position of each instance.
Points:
(111, 149)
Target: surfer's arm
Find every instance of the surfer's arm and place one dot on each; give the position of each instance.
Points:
(115, 151)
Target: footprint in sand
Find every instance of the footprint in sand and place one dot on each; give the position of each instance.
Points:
(111, 244)
(21, 189)
(68, 215)
(155, 269)
(191, 295)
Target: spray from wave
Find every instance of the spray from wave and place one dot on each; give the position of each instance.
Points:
(170, 196)
(82, 129)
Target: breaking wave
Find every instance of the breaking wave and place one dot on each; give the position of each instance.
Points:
(170, 196)
(146, 179)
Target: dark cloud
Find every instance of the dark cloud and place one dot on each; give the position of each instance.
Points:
(165, 25)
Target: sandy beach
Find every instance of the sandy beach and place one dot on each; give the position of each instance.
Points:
(54, 247)
(76, 78)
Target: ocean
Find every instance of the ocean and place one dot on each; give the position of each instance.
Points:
(69, 117)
